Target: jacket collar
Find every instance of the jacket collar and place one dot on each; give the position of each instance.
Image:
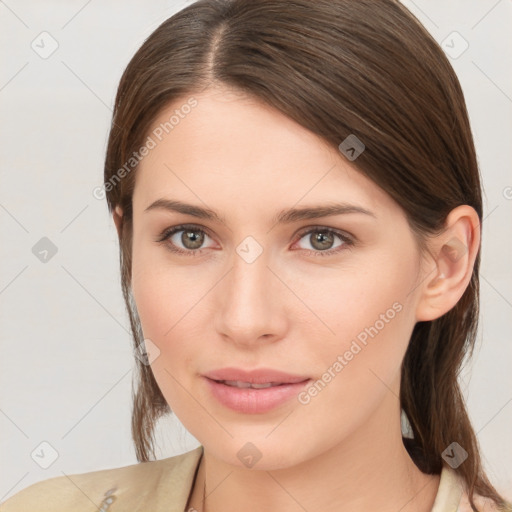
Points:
(179, 473)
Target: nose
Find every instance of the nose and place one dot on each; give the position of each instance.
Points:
(250, 303)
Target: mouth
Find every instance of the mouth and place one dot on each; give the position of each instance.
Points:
(253, 385)
(254, 397)
(266, 376)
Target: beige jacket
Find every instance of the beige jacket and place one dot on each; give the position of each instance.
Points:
(160, 486)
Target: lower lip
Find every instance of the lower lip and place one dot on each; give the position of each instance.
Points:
(254, 401)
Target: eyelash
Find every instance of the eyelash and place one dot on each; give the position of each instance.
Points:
(167, 233)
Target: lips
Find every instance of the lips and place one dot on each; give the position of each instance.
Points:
(256, 391)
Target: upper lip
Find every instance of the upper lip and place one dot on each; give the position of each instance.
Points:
(258, 376)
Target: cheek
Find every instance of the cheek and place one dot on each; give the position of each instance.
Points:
(366, 315)
(169, 301)
(358, 366)
(166, 316)
(153, 303)
(161, 293)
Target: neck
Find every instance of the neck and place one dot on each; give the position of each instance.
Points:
(370, 470)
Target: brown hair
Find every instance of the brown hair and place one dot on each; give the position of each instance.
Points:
(336, 67)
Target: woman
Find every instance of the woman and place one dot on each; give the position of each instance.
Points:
(298, 204)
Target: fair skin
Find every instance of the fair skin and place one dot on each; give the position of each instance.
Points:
(290, 309)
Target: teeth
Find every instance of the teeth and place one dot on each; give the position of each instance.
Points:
(239, 384)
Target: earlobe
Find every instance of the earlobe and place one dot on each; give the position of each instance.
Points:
(455, 251)
(118, 219)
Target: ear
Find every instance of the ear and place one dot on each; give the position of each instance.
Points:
(448, 275)
(118, 219)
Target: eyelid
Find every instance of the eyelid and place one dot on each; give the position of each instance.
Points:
(344, 235)
(180, 227)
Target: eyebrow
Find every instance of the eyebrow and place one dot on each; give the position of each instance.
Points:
(282, 217)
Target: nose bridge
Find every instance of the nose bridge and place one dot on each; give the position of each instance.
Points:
(248, 305)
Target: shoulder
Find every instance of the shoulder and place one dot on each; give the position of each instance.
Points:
(146, 485)
(453, 491)
(482, 504)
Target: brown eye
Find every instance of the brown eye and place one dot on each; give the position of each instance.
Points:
(322, 241)
(192, 239)
(188, 240)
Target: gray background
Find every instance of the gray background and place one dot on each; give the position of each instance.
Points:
(66, 363)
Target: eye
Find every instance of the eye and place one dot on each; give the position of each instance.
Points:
(322, 241)
(188, 240)
(184, 239)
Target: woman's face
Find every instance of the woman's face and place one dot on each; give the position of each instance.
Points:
(260, 285)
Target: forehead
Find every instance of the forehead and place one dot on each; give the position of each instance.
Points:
(228, 127)
(232, 145)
